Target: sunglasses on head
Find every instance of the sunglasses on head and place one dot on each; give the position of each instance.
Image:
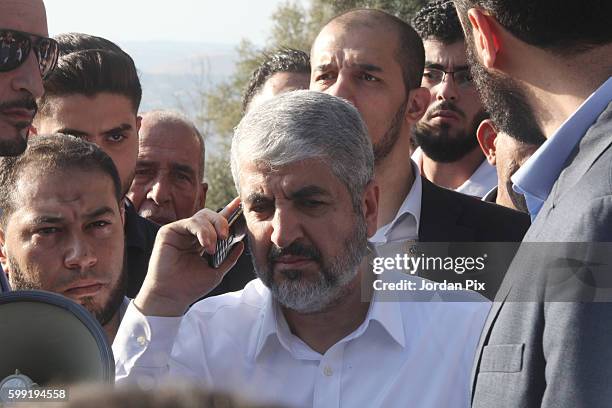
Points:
(15, 47)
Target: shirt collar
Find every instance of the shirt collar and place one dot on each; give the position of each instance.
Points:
(274, 327)
(410, 207)
(479, 183)
(538, 174)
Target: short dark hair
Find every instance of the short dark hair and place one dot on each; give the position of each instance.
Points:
(438, 20)
(90, 72)
(47, 154)
(563, 27)
(282, 60)
(410, 53)
(72, 42)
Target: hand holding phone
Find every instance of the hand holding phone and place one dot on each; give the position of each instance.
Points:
(237, 232)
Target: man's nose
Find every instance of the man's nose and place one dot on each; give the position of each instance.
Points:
(286, 228)
(343, 88)
(27, 77)
(80, 255)
(159, 191)
(446, 90)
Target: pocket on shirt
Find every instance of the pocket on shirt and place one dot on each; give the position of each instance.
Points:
(502, 358)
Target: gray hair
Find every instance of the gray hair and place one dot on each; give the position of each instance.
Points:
(302, 125)
(176, 118)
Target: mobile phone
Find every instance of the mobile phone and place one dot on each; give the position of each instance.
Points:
(237, 232)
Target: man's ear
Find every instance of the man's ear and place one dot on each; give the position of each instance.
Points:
(486, 135)
(3, 254)
(418, 102)
(486, 39)
(32, 131)
(202, 202)
(138, 123)
(369, 204)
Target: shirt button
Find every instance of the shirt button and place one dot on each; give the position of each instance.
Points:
(328, 371)
(141, 340)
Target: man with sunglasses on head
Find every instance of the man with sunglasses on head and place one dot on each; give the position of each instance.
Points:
(27, 56)
(448, 153)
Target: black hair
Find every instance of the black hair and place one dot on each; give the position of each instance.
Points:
(90, 72)
(50, 153)
(438, 20)
(564, 27)
(72, 42)
(282, 60)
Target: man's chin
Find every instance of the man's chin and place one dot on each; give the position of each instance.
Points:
(15, 144)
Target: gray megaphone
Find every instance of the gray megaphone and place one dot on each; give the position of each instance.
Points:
(47, 339)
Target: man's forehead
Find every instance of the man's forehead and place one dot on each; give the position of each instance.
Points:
(438, 52)
(340, 45)
(260, 177)
(175, 143)
(24, 15)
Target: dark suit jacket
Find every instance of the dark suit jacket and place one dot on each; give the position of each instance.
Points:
(448, 216)
(458, 226)
(140, 236)
(546, 343)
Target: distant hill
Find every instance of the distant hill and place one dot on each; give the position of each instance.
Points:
(170, 72)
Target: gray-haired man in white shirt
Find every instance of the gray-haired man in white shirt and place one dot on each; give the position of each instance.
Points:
(304, 334)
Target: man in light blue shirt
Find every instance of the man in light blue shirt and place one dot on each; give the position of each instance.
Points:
(544, 69)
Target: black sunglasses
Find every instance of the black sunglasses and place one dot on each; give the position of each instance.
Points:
(15, 46)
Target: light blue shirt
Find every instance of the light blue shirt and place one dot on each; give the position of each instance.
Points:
(535, 179)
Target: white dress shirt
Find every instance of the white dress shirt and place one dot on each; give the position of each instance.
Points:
(404, 354)
(479, 183)
(405, 224)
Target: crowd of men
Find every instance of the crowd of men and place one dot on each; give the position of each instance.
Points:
(477, 122)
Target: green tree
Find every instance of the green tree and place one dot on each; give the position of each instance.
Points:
(293, 26)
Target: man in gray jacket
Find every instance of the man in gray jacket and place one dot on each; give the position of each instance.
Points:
(543, 68)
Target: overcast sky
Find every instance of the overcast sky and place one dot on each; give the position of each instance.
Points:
(215, 21)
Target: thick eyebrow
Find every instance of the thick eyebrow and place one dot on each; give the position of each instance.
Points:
(99, 212)
(121, 128)
(73, 132)
(46, 219)
(442, 67)
(145, 163)
(182, 168)
(256, 198)
(307, 192)
(364, 67)
(54, 219)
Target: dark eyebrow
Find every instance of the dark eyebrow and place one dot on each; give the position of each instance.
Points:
(256, 198)
(365, 67)
(308, 191)
(324, 67)
(99, 212)
(182, 168)
(145, 163)
(46, 219)
(442, 67)
(122, 128)
(73, 132)
(369, 67)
